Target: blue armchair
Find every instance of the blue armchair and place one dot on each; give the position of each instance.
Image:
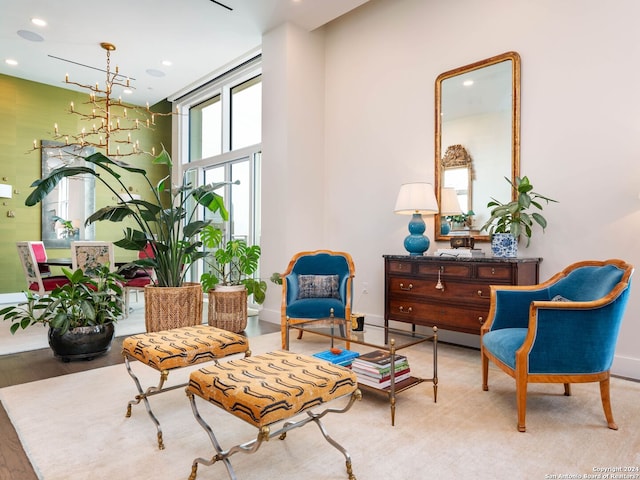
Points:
(561, 331)
(313, 284)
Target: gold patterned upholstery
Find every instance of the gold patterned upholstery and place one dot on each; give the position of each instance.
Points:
(267, 388)
(181, 347)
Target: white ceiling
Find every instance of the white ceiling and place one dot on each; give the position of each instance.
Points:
(197, 36)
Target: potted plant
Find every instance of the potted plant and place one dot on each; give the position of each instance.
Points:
(510, 220)
(230, 279)
(80, 314)
(165, 225)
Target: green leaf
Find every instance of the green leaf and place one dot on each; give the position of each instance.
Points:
(46, 185)
(163, 158)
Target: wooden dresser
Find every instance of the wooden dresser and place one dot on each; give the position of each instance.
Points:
(462, 302)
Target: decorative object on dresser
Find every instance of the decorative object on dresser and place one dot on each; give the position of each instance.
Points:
(416, 199)
(510, 220)
(451, 293)
(561, 331)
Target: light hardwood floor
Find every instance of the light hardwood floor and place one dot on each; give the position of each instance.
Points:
(35, 365)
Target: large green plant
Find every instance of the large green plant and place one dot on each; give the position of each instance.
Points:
(515, 217)
(231, 263)
(167, 223)
(83, 302)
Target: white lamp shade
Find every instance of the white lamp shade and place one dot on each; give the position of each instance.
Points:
(416, 197)
(449, 202)
(5, 190)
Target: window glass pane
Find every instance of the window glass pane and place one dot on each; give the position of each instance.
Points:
(205, 129)
(240, 201)
(214, 175)
(246, 113)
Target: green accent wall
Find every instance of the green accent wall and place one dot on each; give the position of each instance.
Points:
(28, 112)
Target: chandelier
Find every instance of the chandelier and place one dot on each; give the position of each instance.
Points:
(109, 123)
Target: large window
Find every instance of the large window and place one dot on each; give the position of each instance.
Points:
(220, 140)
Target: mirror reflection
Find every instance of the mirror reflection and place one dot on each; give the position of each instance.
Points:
(477, 140)
(65, 209)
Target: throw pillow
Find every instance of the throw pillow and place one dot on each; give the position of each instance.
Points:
(318, 286)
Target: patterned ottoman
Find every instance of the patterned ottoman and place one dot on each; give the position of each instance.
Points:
(270, 388)
(170, 349)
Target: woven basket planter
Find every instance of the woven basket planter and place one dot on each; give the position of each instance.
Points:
(228, 308)
(172, 307)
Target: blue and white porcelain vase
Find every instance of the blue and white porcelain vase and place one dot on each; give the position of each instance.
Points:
(504, 245)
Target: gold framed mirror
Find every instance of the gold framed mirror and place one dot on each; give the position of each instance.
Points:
(477, 140)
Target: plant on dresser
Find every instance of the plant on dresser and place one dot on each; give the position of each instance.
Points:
(510, 220)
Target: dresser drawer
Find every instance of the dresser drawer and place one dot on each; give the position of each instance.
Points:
(501, 273)
(462, 319)
(451, 270)
(451, 291)
(398, 266)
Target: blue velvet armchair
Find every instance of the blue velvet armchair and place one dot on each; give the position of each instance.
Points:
(313, 284)
(561, 331)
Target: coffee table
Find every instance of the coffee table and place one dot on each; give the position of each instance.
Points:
(379, 337)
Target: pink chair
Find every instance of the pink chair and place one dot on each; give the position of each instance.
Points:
(35, 281)
(41, 256)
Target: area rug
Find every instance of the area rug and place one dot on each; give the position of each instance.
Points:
(74, 427)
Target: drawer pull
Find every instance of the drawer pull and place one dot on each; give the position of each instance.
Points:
(406, 289)
(439, 284)
(408, 310)
(479, 293)
(481, 320)
(493, 271)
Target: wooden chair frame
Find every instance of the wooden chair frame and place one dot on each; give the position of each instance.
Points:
(520, 373)
(349, 291)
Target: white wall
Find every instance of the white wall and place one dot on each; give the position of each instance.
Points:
(580, 123)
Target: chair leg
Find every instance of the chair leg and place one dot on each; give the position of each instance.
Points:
(606, 403)
(567, 389)
(485, 372)
(125, 313)
(521, 402)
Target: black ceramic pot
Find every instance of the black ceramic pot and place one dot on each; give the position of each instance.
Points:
(81, 342)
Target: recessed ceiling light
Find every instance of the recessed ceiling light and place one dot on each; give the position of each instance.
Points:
(155, 73)
(39, 22)
(167, 63)
(31, 36)
(467, 83)
(11, 61)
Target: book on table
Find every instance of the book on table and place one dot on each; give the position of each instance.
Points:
(400, 376)
(374, 368)
(339, 357)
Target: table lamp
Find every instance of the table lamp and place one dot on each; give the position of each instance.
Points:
(449, 206)
(416, 199)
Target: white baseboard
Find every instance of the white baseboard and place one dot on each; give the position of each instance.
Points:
(626, 367)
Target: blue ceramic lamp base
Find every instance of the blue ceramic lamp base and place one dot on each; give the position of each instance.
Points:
(416, 243)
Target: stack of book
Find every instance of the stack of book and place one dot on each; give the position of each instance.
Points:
(374, 369)
(459, 252)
